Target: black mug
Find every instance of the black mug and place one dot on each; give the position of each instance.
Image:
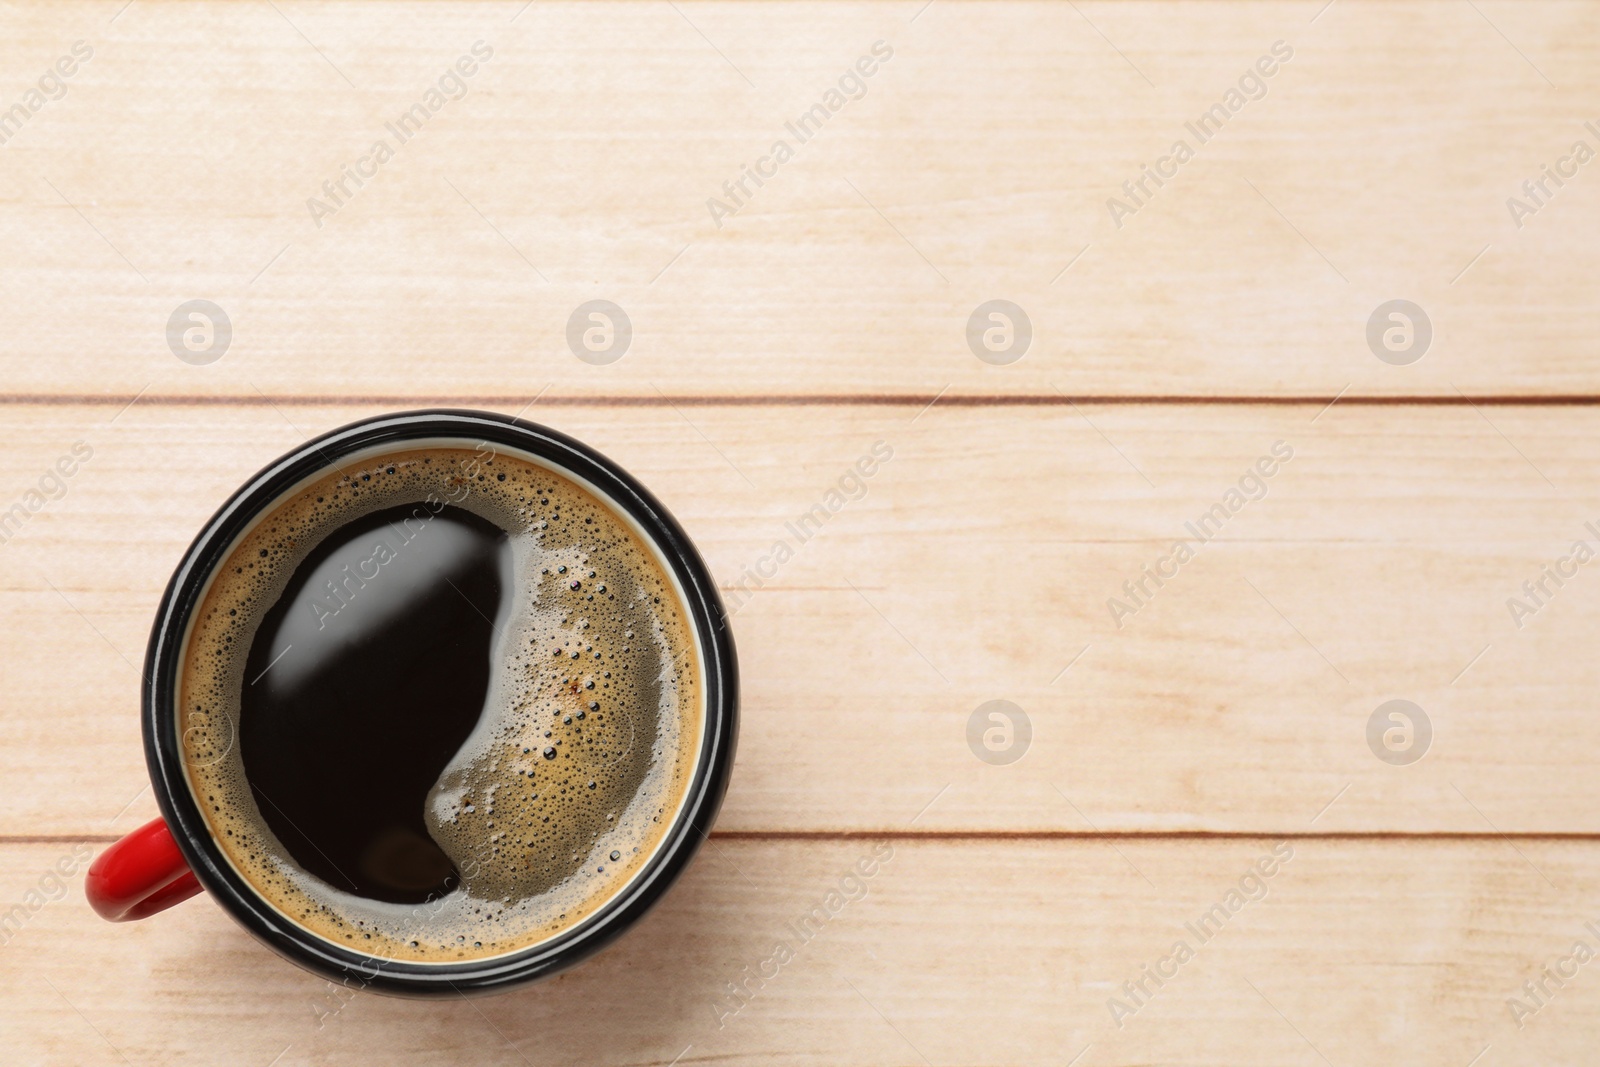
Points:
(176, 856)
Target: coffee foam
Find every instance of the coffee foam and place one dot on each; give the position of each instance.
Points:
(589, 735)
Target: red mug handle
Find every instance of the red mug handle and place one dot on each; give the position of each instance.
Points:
(140, 875)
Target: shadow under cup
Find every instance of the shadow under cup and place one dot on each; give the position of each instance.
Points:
(674, 554)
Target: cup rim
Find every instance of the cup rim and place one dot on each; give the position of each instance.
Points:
(702, 798)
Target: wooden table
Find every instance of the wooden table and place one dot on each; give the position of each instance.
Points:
(1210, 756)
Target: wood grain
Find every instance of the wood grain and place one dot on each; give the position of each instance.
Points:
(1172, 748)
(978, 164)
(970, 953)
(976, 564)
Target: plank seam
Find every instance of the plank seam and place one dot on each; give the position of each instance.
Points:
(1024, 835)
(797, 400)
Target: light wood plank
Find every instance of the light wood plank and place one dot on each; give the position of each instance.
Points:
(977, 166)
(977, 566)
(971, 953)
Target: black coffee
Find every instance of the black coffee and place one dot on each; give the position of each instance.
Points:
(440, 704)
(363, 681)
